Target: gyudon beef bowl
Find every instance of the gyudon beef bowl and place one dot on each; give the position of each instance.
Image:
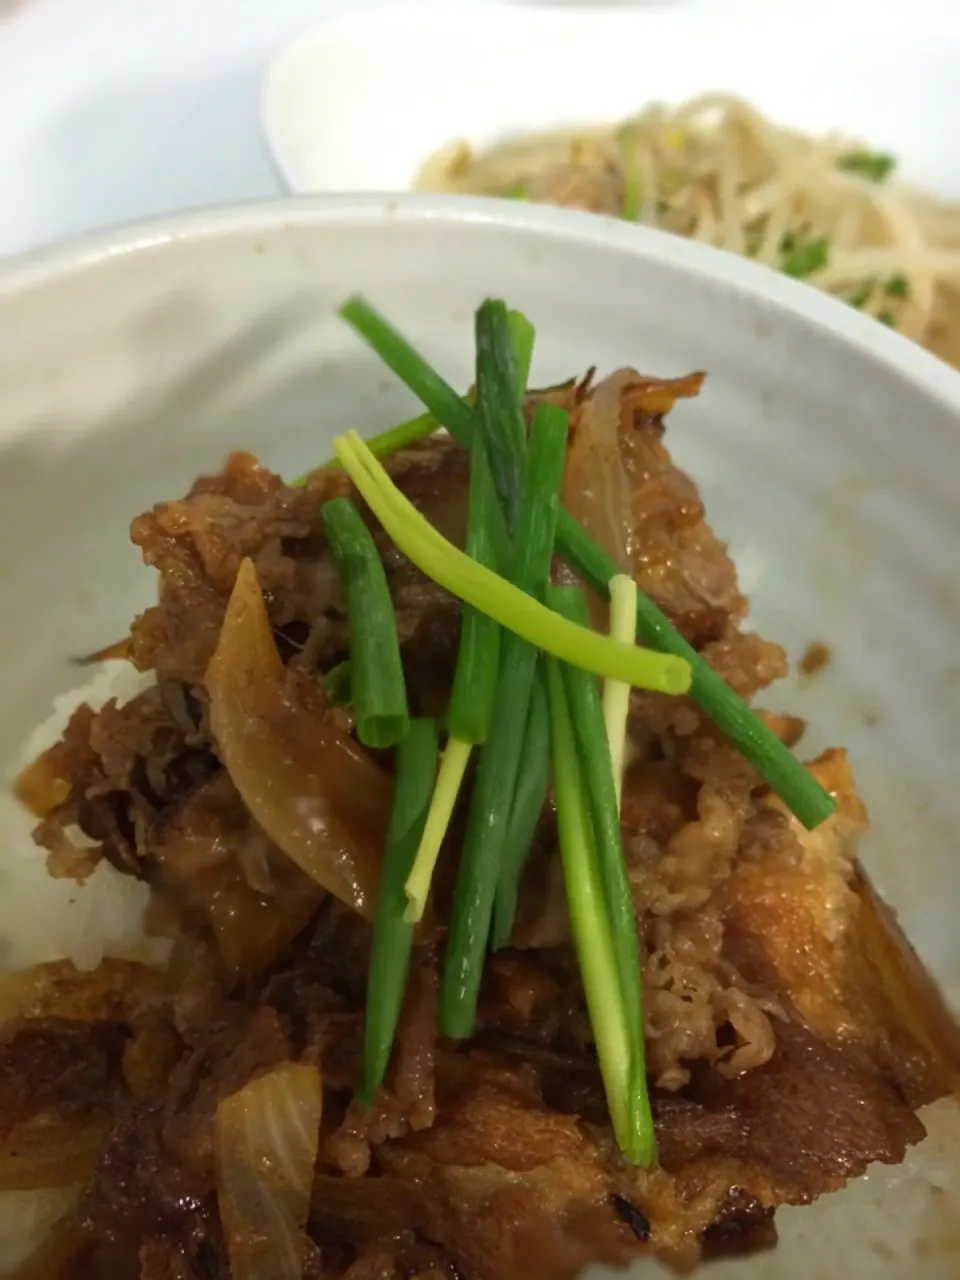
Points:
(514, 843)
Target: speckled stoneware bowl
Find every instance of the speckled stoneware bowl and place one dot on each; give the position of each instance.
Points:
(827, 448)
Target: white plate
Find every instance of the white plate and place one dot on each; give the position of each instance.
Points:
(360, 101)
(826, 446)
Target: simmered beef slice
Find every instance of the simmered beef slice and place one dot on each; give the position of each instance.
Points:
(197, 544)
(121, 766)
(155, 1177)
(58, 1067)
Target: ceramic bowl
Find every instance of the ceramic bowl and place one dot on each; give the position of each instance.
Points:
(827, 449)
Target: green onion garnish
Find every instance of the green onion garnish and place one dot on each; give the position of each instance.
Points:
(501, 408)
(799, 790)
(500, 761)
(393, 935)
(446, 407)
(874, 165)
(471, 700)
(802, 258)
(776, 763)
(474, 683)
(336, 684)
(451, 569)
(453, 766)
(529, 797)
(376, 672)
(364, 319)
(616, 694)
(589, 731)
(588, 918)
(897, 287)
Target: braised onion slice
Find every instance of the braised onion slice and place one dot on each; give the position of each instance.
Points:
(38, 1156)
(596, 487)
(54, 1258)
(312, 789)
(266, 1138)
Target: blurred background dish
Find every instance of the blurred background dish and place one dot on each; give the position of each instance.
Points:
(702, 122)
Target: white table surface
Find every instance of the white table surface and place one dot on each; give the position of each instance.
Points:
(117, 109)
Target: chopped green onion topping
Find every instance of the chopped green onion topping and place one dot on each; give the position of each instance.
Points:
(588, 917)
(376, 671)
(800, 791)
(474, 684)
(393, 934)
(529, 798)
(784, 773)
(336, 684)
(593, 753)
(501, 758)
(802, 258)
(897, 287)
(501, 408)
(471, 701)
(450, 568)
(517, 191)
(447, 408)
(453, 765)
(616, 694)
(875, 165)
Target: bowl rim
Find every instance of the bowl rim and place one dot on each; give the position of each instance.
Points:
(787, 300)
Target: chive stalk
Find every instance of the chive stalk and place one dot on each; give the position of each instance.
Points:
(529, 797)
(616, 694)
(450, 568)
(445, 406)
(501, 409)
(522, 335)
(376, 672)
(386, 442)
(588, 916)
(474, 683)
(453, 766)
(586, 715)
(471, 699)
(499, 765)
(336, 684)
(774, 761)
(393, 935)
